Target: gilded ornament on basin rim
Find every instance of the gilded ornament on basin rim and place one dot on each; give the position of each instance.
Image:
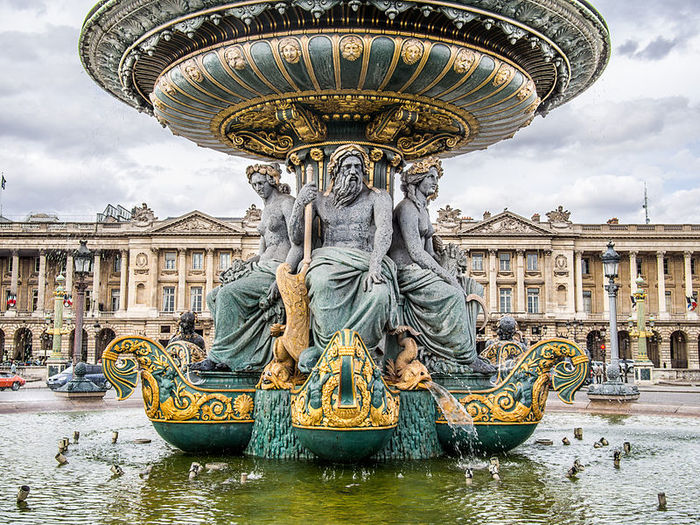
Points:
(412, 51)
(234, 57)
(290, 50)
(191, 70)
(316, 154)
(351, 47)
(464, 61)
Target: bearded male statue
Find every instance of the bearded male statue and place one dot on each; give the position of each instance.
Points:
(351, 282)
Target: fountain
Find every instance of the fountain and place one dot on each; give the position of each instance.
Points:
(368, 326)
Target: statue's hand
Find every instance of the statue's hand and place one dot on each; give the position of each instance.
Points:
(373, 277)
(307, 193)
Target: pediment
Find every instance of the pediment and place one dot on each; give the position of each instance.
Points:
(507, 223)
(198, 223)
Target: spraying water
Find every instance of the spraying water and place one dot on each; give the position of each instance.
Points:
(455, 414)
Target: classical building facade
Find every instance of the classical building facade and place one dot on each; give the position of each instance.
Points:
(546, 273)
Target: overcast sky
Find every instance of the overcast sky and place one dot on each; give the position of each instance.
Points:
(67, 147)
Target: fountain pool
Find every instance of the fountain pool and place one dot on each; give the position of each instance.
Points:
(533, 486)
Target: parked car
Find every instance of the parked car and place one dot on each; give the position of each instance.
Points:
(94, 374)
(9, 380)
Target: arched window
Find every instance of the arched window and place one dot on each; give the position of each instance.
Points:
(679, 350)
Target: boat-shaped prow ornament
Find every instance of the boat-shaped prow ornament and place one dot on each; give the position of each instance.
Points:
(507, 414)
(185, 414)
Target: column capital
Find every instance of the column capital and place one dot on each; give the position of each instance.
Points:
(547, 253)
(155, 250)
(492, 251)
(42, 252)
(15, 253)
(124, 251)
(688, 253)
(578, 253)
(633, 253)
(660, 253)
(519, 252)
(182, 251)
(209, 251)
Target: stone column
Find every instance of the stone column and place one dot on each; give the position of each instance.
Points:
(181, 279)
(14, 280)
(493, 289)
(661, 282)
(153, 270)
(41, 292)
(578, 268)
(687, 255)
(209, 270)
(571, 284)
(96, 270)
(123, 273)
(468, 258)
(69, 273)
(548, 271)
(520, 280)
(633, 272)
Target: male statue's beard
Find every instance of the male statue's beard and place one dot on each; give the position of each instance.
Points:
(346, 188)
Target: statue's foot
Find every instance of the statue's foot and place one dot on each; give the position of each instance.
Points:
(481, 366)
(209, 366)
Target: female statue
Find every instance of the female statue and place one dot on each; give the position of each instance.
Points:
(434, 299)
(244, 308)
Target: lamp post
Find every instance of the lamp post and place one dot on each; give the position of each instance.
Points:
(612, 389)
(82, 260)
(79, 387)
(643, 367)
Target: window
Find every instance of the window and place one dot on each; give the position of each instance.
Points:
(224, 260)
(170, 258)
(531, 262)
(62, 267)
(37, 264)
(504, 262)
(587, 301)
(506, 300)
(168, 298)
(669, 302)
(478, 262)
(665, 265)
(88, 300)
(533, 300)
(35, 299)
(585, 266)
(115, 300)
(117, 264)
(639, 267)
(197, 260)
(9, 264)
(692, 266)
(196, 298)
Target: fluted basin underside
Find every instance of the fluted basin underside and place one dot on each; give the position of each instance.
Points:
(268, 78)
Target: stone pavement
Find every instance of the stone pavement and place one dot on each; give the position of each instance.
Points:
(655, 399)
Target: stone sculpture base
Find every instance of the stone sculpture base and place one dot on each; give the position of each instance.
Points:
(273, 436)
(415, 436)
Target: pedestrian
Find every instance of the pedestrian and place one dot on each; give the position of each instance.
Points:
(13, 368)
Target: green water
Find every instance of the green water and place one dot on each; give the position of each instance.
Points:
(533, 488)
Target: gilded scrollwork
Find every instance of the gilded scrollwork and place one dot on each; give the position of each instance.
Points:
(522, 396)
(345, 390)
(168, 395)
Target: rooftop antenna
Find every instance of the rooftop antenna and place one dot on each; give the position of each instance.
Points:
(646, 204)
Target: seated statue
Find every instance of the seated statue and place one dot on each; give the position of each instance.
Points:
(351, 282)
(186, 331)
(435, 301)
(245, 308)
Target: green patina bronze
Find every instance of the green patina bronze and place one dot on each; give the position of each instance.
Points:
(345, 92)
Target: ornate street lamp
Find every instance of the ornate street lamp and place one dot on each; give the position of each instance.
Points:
(82, 261)
(79, 387)
(612, 389)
